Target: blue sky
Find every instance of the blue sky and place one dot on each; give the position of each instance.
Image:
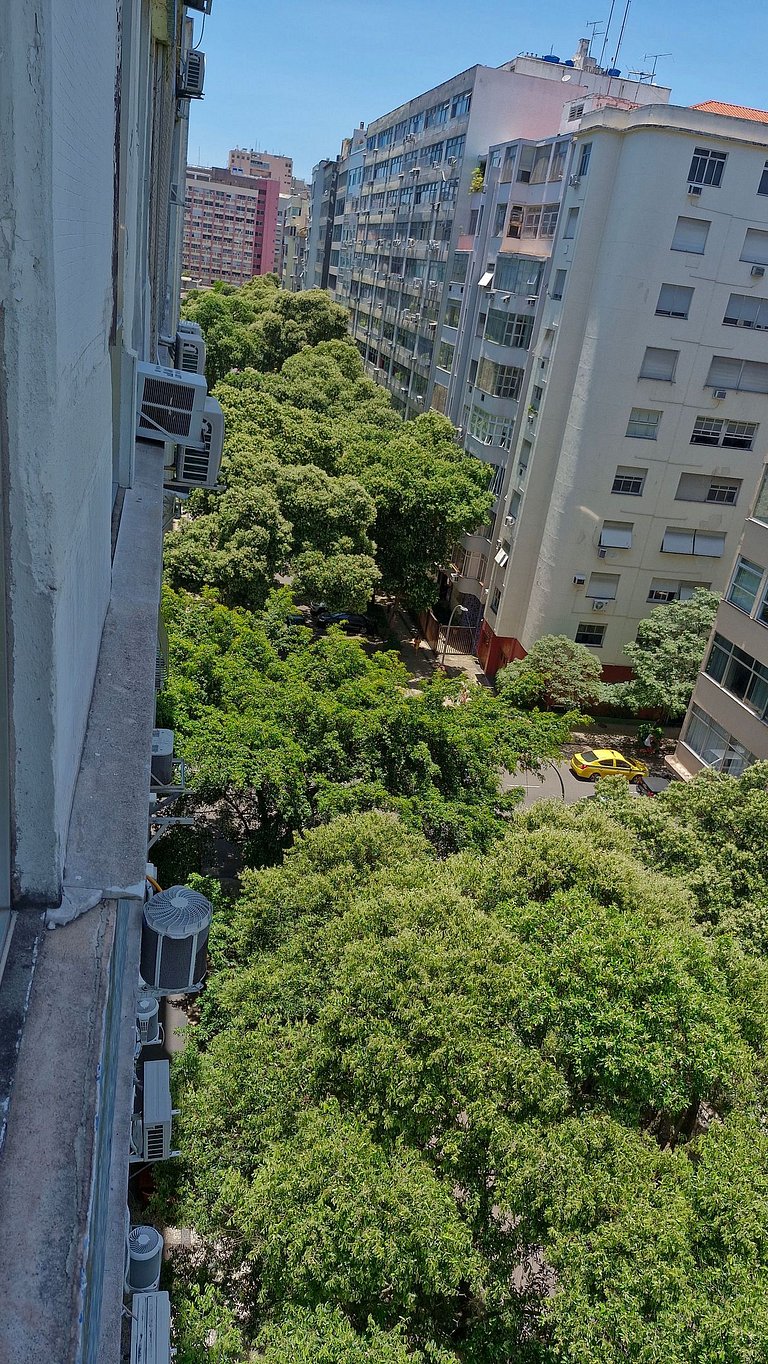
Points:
(295, 77)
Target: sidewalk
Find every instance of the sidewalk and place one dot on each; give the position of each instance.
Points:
(421, 660)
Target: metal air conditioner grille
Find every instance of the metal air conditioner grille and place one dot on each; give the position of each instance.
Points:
(166, 406)
(193, 465)
(154, 1142)
(188, 358)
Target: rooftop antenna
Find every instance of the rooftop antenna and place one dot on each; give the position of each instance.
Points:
(607, 31)
(615, 61)
(656, 57)
(597, 32)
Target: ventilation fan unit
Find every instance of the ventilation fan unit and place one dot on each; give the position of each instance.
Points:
(148, 1021)
(191, 76)
(599, 603)
(757, 271)
(579, 580)
(185, 328)
(151, 1129)
(150, 1328)
(719, 393)
(169, 404)
(197, 466)
(162, 757)
(694, 191)
(174, 940)
(145, 1257)
(190, 353)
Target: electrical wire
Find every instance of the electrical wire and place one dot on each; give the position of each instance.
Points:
(202, 31)
(157, 888)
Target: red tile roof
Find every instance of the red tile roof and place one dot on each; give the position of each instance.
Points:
(715, 106)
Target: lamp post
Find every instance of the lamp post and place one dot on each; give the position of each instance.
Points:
(464, 612)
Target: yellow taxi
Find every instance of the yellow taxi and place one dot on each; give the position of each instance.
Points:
(606, 762)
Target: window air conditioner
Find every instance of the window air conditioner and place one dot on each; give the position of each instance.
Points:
(532, 300)
(150, 1328)
(757, 271)
(600, 603)
(189, 353)
(170, 403)
(191, 77)
(579, 580)
(174, 941)
(151, 1130)
(601, 552)
(694, 191)
(719, 393)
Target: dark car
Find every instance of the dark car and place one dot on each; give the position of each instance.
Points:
(651, 786)
(349, 621)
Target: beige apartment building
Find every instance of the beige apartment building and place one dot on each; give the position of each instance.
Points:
(266, 165)
(726, 727)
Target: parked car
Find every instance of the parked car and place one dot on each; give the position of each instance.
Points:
(318, 608)
(606, 762)
(651, 786)
(349, 621)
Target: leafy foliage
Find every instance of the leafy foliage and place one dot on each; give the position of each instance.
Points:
(555, 672)
(668, 652)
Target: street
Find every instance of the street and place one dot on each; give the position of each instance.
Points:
(548, 786)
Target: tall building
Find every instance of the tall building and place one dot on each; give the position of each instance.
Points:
(230, 226)
(262, 165)
(726, 727)
(641, 427)
(414, 211)
(93, 119)
(322, 206)
(293, 238)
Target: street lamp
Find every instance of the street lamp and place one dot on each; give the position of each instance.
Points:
(462, 611)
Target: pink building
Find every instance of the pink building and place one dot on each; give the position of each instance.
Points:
(230, 226)
(262, 164)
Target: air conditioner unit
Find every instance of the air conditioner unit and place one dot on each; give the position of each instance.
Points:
(579, 580)
(599, 603)
(151, 1129)
(144, 1260)
(148, 1030)
(150, 1328)
(185, 328)
(197, 466)
(694, 191)
(169, 403)
(757, 271)
(720, 393)
(534, 298)
(161, 767)
(189, 353)
(174, 941)
(601, 552)
(191, 77)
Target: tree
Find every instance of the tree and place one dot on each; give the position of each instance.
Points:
(555, 672)
(668, 652)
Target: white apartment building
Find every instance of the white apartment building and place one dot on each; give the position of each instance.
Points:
(414, 211)
(726, 727)
(643, 421)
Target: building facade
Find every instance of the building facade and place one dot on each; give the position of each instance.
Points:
(230, 226)
(294, 226)
(262, 166)
(94, 134)
(726, 727)
(641, 425)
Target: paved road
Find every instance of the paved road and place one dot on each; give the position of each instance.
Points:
(548, 787)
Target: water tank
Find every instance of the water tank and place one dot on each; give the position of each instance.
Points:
(148, 1020)
(550, 58)
(613, 71)
(145, 1257)
(570, 62)
(174, 940)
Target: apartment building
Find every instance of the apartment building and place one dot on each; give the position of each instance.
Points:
(262, 166)
(414, 215)
(322, 206)
(293, 222)
(230, 226)
(641, 427)
(726, 727)
(94, 123)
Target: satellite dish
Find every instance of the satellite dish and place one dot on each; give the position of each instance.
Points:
(566, 77)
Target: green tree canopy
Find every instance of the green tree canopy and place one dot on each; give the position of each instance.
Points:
(554, 672)
(667, 653)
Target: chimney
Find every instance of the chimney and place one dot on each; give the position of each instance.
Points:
(581, 57)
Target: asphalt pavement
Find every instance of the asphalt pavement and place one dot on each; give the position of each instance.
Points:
(557, 782)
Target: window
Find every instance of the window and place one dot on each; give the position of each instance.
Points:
(540, 165)
(575, 111)
(502, 381)
(586, 153)
(445, 355)
(664, 590)
(558, 284)
(497, 482)
(498, 222)
(549, 219)
(674, 301)
(629, 481)
(452, 313)
(691, 235)
(745, 585)
(763, 186)
(489, 429)
(495, 599)
(731, 435)
(706, 167)
(746, 311)
(592, 635)
(513, 507)
(643, 423)
(707, 544)
(760, 509)
(508, 165)
(501, 557)
(603, 586)
(557, 167)
(509, 329)
(459, 267)
(439, 398)
(743, 376)
(531, 222)
(704, 488)
(714, 745)
(616, 535)
(755, 248)
(525, 164)
(659, 364)
(570, 223)
(739, 673)
(517, 274)
(460, 104)
(515, 224)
